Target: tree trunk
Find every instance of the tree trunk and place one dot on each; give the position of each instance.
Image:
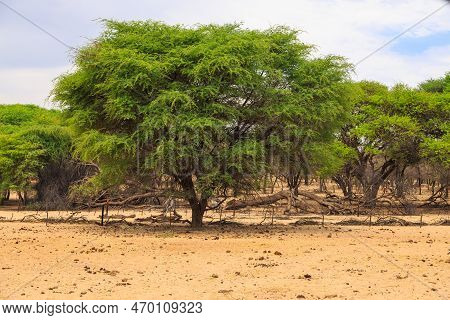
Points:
(444, 184)
(344, 180)
(293, 182)
(266, 178)
(371, 178)
(22, 198)
(345, 184)
(419, 180)
(400, 181)
(2, 197)
(322, 185)
(237, 204)
(197, 216)
(370, 195)
(198, 206)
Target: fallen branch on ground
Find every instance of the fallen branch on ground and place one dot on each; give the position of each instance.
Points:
(333, 208)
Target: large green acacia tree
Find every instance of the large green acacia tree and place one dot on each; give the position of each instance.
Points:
(389, 130)
(203, 106)
(31, 138)
(436, 145)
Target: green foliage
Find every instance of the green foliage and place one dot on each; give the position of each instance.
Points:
(435, 146)
(328, 158)
(394, 128)
(437, 150)
(436, 85)
(208, 103)
(395, 123)
(30, 137)
(215, 108)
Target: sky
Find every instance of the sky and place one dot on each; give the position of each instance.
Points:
(30, 59)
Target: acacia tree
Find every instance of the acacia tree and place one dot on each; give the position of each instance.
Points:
(435, 148)
(31, 140)
(389, 130)
(200, 105)
(311, 147)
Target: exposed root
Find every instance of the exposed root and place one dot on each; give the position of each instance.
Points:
(30, 217)
(224, 223)
(352, 222)
(305, 222)
(442, 222)
(393, 221)
(163, 218)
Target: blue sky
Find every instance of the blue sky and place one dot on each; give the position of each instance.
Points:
(408, 45)
(30, 59)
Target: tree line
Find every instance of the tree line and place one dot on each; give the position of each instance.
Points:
(155, 110)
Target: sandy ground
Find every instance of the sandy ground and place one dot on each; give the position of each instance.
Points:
(86, 261)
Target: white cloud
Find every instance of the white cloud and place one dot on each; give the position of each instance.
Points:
(352, 28)
(30, 85)
(392, 68)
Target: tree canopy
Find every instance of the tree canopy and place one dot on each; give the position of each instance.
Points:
(439, 85)
(208, 106)
(209, 112)
(391, 129)
(436, 144)
(30, 138)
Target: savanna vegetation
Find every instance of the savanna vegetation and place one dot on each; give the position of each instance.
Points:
(35, 148)
(212, 113)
